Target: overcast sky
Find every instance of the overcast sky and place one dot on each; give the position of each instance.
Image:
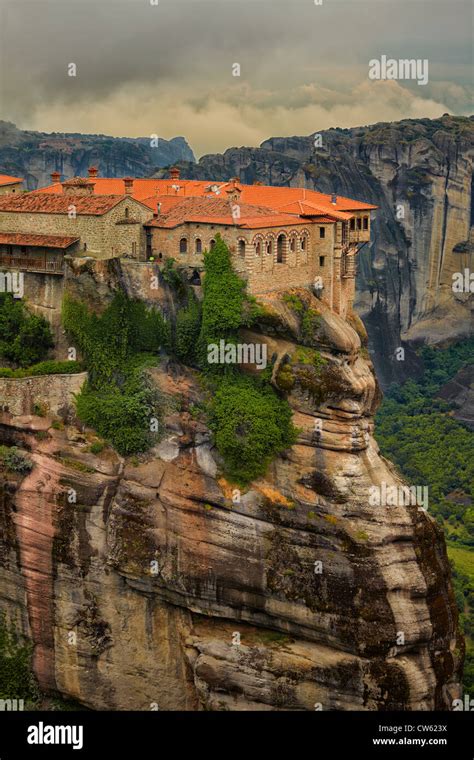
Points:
(166, 69)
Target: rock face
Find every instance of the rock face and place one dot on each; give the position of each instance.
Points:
(419, 172)
(161, 584)
(34, 155)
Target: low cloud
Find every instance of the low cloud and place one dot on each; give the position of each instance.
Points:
(166, 69)
(217, 124)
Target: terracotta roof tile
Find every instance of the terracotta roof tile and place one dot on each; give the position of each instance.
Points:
(219, 211)
(45, 241)
(293, 200)
(41, 203)
(5, 179)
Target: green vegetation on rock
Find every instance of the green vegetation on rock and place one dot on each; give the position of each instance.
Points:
(24, 338)
(16, 676)
(415, 430)
(117, 345)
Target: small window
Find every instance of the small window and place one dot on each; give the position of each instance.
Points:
(126, 212)
(292, 244)
(212, 244)
(322, 232)
(269, 247)
(353, 223)
(303, 243)
(258, 249)
(183, 245)
(280, 248)
(322, 260)
(359, 223)
(365, 224)
(241, 248)
(198, 245)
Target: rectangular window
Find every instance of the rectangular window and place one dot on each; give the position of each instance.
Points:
(322, 232)
(353, 224)
(321, 260)
(359, 223)
(366, 223)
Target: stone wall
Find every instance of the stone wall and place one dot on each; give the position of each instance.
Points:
(264, 272)
(53, 394)
(101, 236)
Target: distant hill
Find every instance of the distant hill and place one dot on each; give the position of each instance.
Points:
(34, 155)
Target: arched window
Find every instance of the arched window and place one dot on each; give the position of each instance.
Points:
(212, 244)
(126, 212)
(198, 245)
(293, 244)
(303, 242)
(183, 245)
(269, 246)
(242, 248)
(280, 248)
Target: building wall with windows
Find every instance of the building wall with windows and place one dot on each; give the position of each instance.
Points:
(118, 232)
(271, 258)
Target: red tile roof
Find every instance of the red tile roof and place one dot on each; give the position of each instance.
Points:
(44, 241)
(150, 191)
(41, 203)
(5, 179)
(219, 211)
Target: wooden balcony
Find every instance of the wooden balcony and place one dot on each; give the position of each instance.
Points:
(359, 236)
(33, 264)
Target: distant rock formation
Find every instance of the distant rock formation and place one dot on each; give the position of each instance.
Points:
(34, 155)
(420, 173)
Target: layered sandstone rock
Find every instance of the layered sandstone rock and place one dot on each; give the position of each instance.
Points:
(162, 584)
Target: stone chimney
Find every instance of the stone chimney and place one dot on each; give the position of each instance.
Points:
(128, 182)
(92, 172)
(233, 191)
(55, 177)
(157, 213)
(78, 186)
(175, 173)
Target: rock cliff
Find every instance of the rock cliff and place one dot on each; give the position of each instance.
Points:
(419, 172)
(34, 155)
(160, 584)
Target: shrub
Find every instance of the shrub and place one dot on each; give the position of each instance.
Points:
(294, 302)
(116, 401)
(224, 299)
(16, 676)
(49, 367)
(14, 459)
(251, 425)
(188, 326)
(24, 338)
